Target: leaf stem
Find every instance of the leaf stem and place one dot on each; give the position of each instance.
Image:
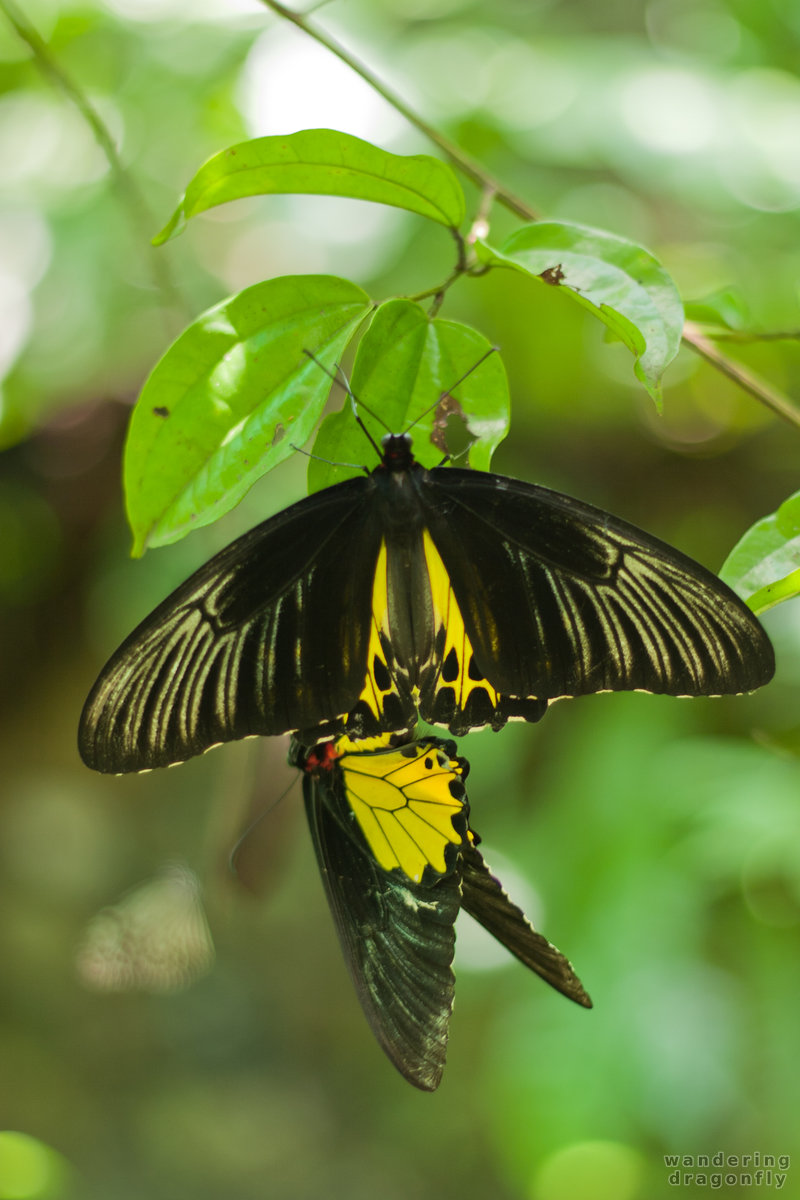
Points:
(779, 403)
(141, 218)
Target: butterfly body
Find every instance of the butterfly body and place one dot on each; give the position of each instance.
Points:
(465, 597)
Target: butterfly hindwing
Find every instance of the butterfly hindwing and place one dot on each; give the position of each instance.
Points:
(483, 897)
(395, 908)
(397, 935)
(410, 806)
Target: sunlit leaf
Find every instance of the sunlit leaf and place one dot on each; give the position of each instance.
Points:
(230, 398)
(440, 380)
(322, 162)
(764, 565)
(619, 282)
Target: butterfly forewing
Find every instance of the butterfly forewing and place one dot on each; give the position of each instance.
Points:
(270, 635)
(464, 596)
(561, 599)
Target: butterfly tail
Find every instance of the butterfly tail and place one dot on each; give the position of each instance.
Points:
(485, 899)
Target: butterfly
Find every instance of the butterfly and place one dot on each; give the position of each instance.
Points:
(390, 827)
(465, 597)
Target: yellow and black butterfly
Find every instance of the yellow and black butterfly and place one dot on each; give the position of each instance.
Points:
(464, 596)
(398, 862)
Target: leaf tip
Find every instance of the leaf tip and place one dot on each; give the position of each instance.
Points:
(140, 540)
(651, 385)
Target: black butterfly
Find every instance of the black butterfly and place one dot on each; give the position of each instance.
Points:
(464, 596)
(398, 861)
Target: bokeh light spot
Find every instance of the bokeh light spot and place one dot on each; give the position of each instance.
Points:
(595, 1170)
(29, 1170)
(669, 110)
(289, 83)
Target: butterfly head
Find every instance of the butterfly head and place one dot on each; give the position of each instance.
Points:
(397, 454)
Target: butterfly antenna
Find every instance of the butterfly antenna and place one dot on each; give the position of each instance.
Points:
(338, 376)
(327, 461)
(449, 391)
(251, 828)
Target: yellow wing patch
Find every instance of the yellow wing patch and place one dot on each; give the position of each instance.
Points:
(455, 668)
(378, 683)
(409, 804)
(458, 670)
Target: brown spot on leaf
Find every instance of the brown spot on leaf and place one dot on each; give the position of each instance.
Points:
(160, 411)
(278, 435)
(447, 407)
(553, 275)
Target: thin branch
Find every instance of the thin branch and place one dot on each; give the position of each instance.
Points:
(747, 337)
(780, 404)
(492, 190)
(141, 218)
(471, 168)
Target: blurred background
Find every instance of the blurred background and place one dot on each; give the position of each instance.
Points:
(656, 841)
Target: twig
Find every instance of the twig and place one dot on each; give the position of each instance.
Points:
(748, 336)
(140, 216)
(471, 168)
(780, 404)
(492, 190)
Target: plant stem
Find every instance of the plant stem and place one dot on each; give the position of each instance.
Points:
(141, 218)
(471, 168)
(780, 404)
(492, 190)
(745, 336)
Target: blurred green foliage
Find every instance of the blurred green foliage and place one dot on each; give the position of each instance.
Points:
(662, 837)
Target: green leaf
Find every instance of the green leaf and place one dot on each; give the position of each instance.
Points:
(229, 399)
(725, 307)
(619, 282)
(323, 162)
(418, 374)
(764, 565)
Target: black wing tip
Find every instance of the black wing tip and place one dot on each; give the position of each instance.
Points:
(768, 659)
(421, 1076)
(758, 667)
(93, 755)
(574, 990)
(418, 1054)
(561, 976)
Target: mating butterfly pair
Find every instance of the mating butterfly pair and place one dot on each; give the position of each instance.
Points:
(462, 597)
